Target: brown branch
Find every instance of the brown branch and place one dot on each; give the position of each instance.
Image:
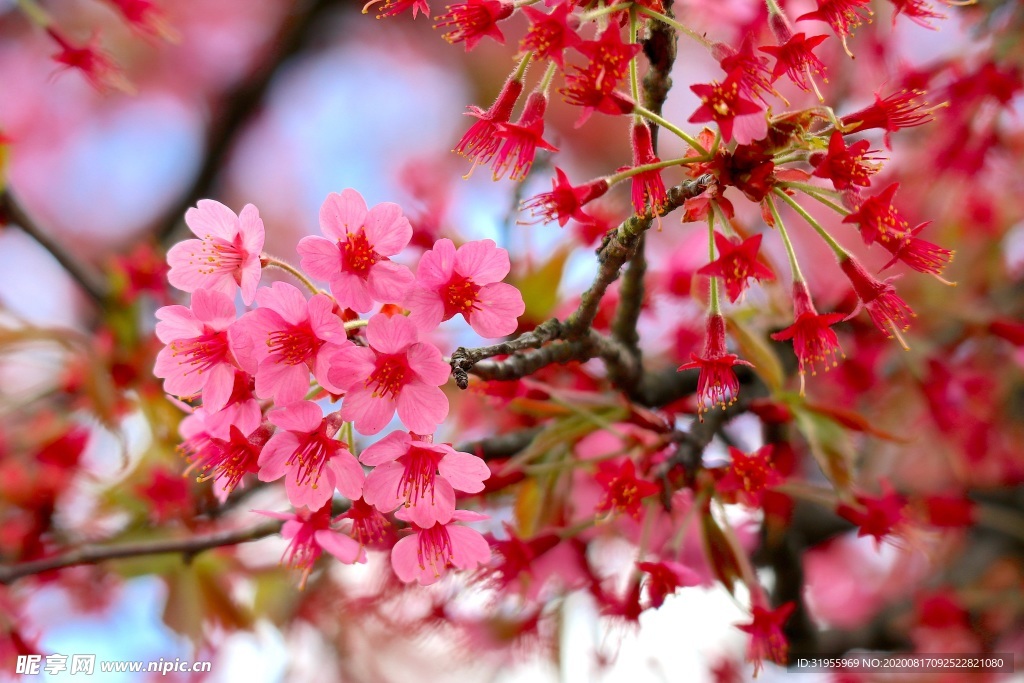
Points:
(90, 280)
(241, 104)
(94, 554)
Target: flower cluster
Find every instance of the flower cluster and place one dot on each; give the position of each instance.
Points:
(270, 379)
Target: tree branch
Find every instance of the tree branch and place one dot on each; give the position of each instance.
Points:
(94, 554)
(90, 280)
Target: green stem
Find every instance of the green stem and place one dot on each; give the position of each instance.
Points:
(793, 265)
(634, 81)
(689, 139)
(630, 172)
(675, 24)
(713, 296)
(355, 324)
(837, 249)
(549, 74)
(524, 64)
(598, 13)
(811, 192)
(272, 262)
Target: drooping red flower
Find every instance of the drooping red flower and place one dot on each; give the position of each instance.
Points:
(623, 490)
(722, 103)
(565, 201)
(897, 111)
(717, 384)
(887, 310)
(481, 142)
(846, 166)
(664, 578)
(520, 140)
(814, 341)
(648, 187)
(550, 34)
(842, 15)
(767, 641)
(918, 11)
(919, 254)
(593, 86)
(736, 263)
(796, 59)
(96, 66)
(878, 220)
(474, 20)
(146, 16)
(878, 515)
(392, 8)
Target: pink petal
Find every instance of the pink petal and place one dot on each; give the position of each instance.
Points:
(242, 336)
(469, 548)
(220, 381)
(275, 454)
(390, 448)
(244, 415)
(319, 258)
(251, 227)
(348, 475)
(251, 273)
(285, 300)
(468, 516)
(382, 487)
(422, 407)
(177, 381)
(300, 495)
(213, 308)
(282, 382)
(406, 564)
(465, 472)
(370, 414)
(388, 282)
(350, 366)
(351, 291)
(437, 507)
(437, 265)
(426, 361)
(325, 359)
(304, 417)
(186, 266)
(324, 323)
(344, 548)
(390, 335)
(212, 219)
(500, 307)
(482, 262)
(387, 230)
(341, 214)
(426, 309)
(176, 322)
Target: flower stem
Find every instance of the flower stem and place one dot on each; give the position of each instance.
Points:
(524, 64)
(630, 172)
(268, 261)
(549, 74)
(634, 81)
(689, 139)
(837, 248)
(794, 266)
(812, 192)
(675, 24)
(713, 305)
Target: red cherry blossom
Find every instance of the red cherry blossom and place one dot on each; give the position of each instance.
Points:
(918, 11)
(481, 142)
(623, 490)
(551, 34)
(392, 8)
(648, 187)
(887, 310)
(665, 577)
(146, 16)
(919, 254)
(767, 640)
(796, 59)
(310, 534)
(846, 166)
(593, 86)
(749, 476)
(736, 263)
(876, 516)
(426, 554)
(842, 15)
(474, 20)
(522, 139)
(226, 461)
(565, 201)
(717, 384)
(95, 66)
(748, 69)
(814, 341)
(722, 103)
(895, 112)
(878, 220)
(397, 372)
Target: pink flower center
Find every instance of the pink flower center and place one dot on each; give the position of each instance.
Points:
(311, 456)
(420, 473)
(220, 256)
(203, 352)
(435, 549)
(459, 296)
(390, 375)
(295, 344)
(357, 254)
(367, 523)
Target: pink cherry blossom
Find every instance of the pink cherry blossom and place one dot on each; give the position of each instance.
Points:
(226, 255)
(310, 534)
(285, 339)
(197, 358)
(224, 457)
(353, 254)
(465, 281)
(421, 475)
(395, 372)
(305, 452)
(425, 555)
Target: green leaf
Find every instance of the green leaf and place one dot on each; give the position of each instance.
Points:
(539, 285)
(830, 445)
(754, 347)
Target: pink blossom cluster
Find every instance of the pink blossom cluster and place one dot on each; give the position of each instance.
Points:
(285, 385)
